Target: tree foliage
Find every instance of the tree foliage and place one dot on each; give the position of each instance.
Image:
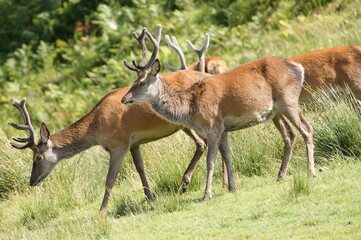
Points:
(75, 48)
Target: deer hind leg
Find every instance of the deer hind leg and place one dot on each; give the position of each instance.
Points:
(224, 173)
(116, 159)
(213, 145)
(289, 137)
(200, 148)
(139, 165)
(227, 162)
(296, 118)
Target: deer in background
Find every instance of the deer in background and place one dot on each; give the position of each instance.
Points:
(213, 65)
(265, 89)
(114, 126)
(338, 66)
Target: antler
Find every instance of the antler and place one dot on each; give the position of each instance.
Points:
(200, 52)
(141, 42)
(30, 139)
(146, 64)
(174, 44)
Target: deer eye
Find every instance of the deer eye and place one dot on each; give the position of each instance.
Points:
(141, 84)
(38, 157)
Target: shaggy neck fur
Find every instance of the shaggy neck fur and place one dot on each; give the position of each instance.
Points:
(174, 105)
(73, 139)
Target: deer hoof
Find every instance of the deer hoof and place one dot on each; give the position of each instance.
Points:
(184, 186)
(207, 197)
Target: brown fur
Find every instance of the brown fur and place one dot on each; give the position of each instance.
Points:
(118, 128)
(213, 65)
(252, 93)
(338, 66)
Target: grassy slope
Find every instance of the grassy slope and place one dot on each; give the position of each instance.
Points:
(261, 209)
(67, 204)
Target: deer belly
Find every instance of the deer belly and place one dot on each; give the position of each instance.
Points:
(239, 122)
(153, 134)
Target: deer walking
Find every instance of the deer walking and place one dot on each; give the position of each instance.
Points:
(114, 126)
(265, 89)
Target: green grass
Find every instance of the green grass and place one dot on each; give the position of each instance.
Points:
(261, 209)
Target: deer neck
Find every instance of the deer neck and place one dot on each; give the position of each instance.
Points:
(172, 104)
(73, 139)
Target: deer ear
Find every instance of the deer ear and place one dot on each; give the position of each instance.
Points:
(155, 69)
(44, 133)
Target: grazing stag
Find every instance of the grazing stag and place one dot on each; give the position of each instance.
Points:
(114, 126)
(339, 66)
(265, 89)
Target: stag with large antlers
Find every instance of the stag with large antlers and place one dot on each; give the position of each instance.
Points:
(117, 133)
(266, 89)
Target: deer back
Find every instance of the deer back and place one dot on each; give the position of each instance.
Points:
(251, 87)
(334, 66)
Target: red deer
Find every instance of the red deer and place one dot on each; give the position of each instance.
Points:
(265, 89)
(338, 66)
(213, 65)
(114, 126)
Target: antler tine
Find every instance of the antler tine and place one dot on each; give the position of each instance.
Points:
(174, 44)
(156, 42)
(141, 41)
(200, 52)
(130, 66)
(27, 126)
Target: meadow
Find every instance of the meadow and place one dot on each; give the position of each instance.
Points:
(64, 78)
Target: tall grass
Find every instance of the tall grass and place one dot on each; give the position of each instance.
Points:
(337, 124)
(14, 168)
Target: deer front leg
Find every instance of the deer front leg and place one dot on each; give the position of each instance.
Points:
(139, 165)
(213, 144)
(200, 148)
(116, 159)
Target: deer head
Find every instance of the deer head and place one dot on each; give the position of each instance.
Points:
(147, 71)
(147, 86)
(44, 158)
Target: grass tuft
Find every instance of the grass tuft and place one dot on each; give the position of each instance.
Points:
(301, 186)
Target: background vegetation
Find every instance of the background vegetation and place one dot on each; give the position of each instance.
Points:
(65, 55)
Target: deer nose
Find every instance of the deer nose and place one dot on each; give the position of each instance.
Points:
(124, 101)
